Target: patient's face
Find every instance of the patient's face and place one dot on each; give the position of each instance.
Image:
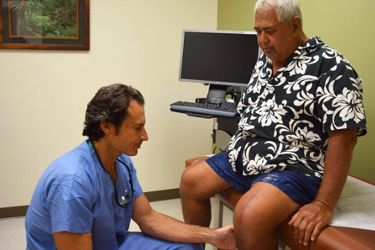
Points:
(276, 39)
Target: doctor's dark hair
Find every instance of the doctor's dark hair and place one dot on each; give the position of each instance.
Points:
(109, 104)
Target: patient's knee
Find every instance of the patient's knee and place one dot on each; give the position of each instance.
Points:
(253, 231)
(252, 217)
(188, 181)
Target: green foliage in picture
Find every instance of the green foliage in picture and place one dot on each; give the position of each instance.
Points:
(43, 18)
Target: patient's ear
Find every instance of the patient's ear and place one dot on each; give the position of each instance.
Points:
(107, 127)
(296, 24)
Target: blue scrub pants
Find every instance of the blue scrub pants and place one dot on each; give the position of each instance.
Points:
(140, 241)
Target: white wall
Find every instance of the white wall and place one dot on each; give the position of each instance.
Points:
(43, 94)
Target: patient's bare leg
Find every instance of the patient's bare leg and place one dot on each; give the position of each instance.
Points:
(257, 215)
(198, 184)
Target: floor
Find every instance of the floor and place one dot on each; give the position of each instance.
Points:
(12, 232)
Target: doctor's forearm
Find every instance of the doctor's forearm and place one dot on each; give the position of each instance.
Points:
(167, 228)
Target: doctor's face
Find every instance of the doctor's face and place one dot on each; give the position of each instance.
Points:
(129, 137)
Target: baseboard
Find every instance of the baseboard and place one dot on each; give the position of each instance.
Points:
(163, 195)
(8, 212)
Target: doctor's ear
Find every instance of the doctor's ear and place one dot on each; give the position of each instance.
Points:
(107, 127)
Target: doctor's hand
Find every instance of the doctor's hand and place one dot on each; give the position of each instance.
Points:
(223, 238)
(310, 220)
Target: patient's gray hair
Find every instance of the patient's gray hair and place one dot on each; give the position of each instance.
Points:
(286, 10)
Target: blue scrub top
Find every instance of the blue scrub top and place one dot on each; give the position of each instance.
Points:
(75, 194)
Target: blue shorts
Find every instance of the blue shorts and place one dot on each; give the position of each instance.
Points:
(300, 188)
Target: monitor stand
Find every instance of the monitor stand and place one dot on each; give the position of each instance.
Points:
(216, 94)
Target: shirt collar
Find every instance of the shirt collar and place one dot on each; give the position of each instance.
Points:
(311, 45)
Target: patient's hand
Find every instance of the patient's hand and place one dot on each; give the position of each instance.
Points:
(309, 221)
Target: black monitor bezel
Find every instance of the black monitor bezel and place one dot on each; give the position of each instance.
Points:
(205, 81)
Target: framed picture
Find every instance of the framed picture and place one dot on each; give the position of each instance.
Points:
(45, 24)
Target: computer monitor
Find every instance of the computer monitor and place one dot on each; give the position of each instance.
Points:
(218, 58)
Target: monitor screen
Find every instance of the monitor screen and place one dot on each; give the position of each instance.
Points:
(218, 57)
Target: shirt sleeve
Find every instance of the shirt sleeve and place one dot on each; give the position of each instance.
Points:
(70, 205)
(339, 97)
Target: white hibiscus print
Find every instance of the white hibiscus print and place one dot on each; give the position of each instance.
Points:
(306, 99)
(303, 138)
(297, 135)
(258, 165)
(299, 65)
(350, 106)
(232, 157)
(269, 113)
(297, 85)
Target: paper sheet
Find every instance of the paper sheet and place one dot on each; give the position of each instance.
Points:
(356, 207)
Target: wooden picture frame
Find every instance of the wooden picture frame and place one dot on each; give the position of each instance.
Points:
(40, 25)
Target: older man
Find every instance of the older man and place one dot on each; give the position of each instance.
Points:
(300, 117)
(87, 197)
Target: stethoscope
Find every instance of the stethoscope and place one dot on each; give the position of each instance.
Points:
(126, 197)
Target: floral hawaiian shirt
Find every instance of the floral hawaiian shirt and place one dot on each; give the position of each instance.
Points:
(285, 118)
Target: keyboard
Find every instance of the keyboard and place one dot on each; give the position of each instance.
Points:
(204, 109)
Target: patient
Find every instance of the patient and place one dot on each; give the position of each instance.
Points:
(299, 120)
(86, 198)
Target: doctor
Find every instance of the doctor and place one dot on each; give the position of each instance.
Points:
(86, 198)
